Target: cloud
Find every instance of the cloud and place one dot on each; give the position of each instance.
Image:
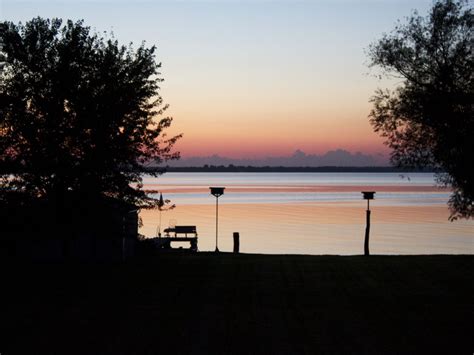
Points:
(338, 157)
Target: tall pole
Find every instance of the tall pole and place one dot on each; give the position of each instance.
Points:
(161, 203)
(367, 231)
(159, 227)
(217, 219)
(217, 191)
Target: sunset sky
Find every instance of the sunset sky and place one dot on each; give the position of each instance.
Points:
(253, 78)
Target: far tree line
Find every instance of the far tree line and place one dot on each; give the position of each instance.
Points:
(303, 169)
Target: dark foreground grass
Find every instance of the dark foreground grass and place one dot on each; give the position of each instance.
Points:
(241, 304)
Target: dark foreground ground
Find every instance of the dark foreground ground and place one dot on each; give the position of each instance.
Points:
(244, 304)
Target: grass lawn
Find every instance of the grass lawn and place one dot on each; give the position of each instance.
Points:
(241, 304)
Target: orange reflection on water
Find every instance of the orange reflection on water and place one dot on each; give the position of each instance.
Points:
(294, 189)
(321, 228)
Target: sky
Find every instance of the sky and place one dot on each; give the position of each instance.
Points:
(253, 78)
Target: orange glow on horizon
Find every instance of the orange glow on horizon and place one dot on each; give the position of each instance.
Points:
(243, 128)
(273, 137)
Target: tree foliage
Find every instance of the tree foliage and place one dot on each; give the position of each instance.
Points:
(428, 119)
(79, 113)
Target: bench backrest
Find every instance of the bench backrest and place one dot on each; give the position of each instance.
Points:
(185, 229)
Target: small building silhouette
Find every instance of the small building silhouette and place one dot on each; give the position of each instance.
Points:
(100, 230)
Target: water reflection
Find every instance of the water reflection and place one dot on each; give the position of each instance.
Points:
(406, 218)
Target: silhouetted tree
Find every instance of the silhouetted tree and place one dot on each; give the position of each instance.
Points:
(79, 114)
(428, 120)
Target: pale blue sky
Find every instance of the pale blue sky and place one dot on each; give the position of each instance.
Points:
(281, 75)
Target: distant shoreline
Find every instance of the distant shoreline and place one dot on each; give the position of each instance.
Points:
(284, 169)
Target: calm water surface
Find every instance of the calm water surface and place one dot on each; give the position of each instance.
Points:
(313, 213)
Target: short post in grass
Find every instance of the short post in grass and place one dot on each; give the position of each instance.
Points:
(236, 242)
(217, 192)
(368, 195)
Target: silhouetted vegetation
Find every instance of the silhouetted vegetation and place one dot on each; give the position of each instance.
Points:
(429, 119)
(78, 115)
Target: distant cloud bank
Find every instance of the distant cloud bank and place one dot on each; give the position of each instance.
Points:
(299, 158)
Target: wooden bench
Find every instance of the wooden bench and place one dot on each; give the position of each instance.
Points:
(165, 242)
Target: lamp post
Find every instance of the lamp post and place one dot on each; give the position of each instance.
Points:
(368, 195)
(217, 191)
(161, 203)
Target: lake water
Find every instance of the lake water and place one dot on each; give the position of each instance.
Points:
(313, 213)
